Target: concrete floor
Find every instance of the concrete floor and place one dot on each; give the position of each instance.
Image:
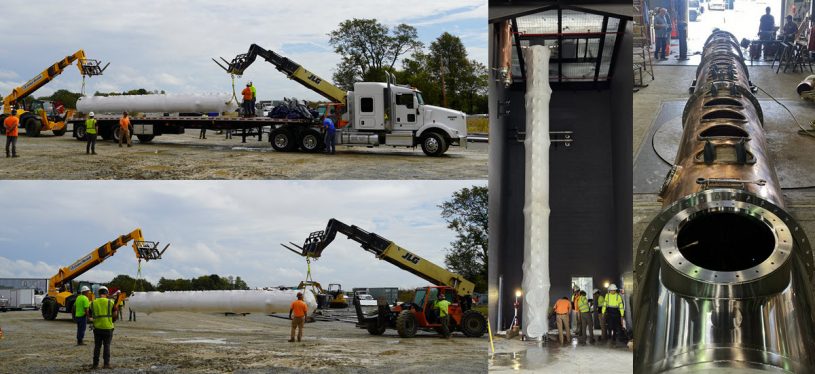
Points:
(671, 83)
(533, 357)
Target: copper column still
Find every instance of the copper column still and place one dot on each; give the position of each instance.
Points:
(724, 275)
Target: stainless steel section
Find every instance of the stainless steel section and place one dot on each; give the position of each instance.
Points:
(357, 138)
(400, 138)
(724, 275)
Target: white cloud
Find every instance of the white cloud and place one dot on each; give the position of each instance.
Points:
(161, 45)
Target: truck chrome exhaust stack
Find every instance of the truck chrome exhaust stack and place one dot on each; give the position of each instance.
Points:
(724, 275)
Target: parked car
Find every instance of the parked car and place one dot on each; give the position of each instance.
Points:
(716, 5)
(695, 9)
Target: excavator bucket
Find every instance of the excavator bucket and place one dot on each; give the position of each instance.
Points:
(147, 250)
(90, 67)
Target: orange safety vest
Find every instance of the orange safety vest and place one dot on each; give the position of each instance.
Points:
(562, 306)
(124, 123)
(247, 93)
(11, 124)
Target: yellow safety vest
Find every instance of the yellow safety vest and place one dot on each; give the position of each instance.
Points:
(582, 304)
(614, 300)
(598, 304)
(90, 126)
(443, 305)
(102, 312)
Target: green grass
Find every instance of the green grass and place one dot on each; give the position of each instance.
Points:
(478, 125)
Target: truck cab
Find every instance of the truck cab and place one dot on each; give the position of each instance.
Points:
(396, 115)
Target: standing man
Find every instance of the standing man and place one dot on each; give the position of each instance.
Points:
(614, 311)
(444, 317)
(300, 310)
(81, 305)
(662, 29)
(575, 315)
(330, 130)
(131, 314)
(124, 124)
(766, 25)
(585, 317)
(599, 300)
(103, 314)
(254, 98)
(11, 123)
(90, 134)
(561, 309)
(247, 100)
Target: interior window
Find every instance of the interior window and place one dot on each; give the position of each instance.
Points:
(366, 104)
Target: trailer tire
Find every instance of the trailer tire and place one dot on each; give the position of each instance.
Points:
(375, 329)
(80, 131)
(33, 126)
(49, 309)
(117, 133)
(473, 324)
(282, 140)
(145, 138)
(406, 324)
(311, 141)
(433, 144)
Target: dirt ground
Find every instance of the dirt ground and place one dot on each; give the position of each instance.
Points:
(186, 157)
(202, 343)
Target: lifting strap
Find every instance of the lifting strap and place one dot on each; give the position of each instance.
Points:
(234, 95)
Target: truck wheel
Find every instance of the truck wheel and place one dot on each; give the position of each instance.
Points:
(49, 309)
(79, 132)
(283, 141)
(433, 144)
(375, 329)
(311, 141)
(145, 138)
(32, 127)
(473, 324)
(406, 324)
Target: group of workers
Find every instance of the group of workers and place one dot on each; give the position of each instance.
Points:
(102, 312)
(767, 29)
(609, 309)
(12, 122)
(250, 95)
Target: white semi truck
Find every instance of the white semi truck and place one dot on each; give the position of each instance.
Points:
(373, 114)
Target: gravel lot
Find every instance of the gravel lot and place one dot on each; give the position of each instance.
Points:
(204, 343)
(186, 157)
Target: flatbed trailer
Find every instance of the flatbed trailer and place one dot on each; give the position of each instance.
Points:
(147, 127)
(284, 135)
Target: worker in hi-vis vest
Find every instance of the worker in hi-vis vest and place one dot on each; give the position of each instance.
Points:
(10, 124)
(598, 311)
(562, 308)
(81, 306)
(103, 314)
(443, 307)
(90, 134)
(300, 310)
(586, 322)
(614, 311)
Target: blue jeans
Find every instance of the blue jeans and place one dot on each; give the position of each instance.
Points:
(81, 326)
(330, 141)
(662, 47)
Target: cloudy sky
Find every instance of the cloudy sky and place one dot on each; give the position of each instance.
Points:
(167, 45)
(223, 227)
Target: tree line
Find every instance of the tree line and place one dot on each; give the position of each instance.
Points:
(443, 72)
(129, 284)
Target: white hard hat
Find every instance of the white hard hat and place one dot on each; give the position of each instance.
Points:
(90, 114)
(612, 287)
(103, 288)
(84, 289)
(596, 291)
